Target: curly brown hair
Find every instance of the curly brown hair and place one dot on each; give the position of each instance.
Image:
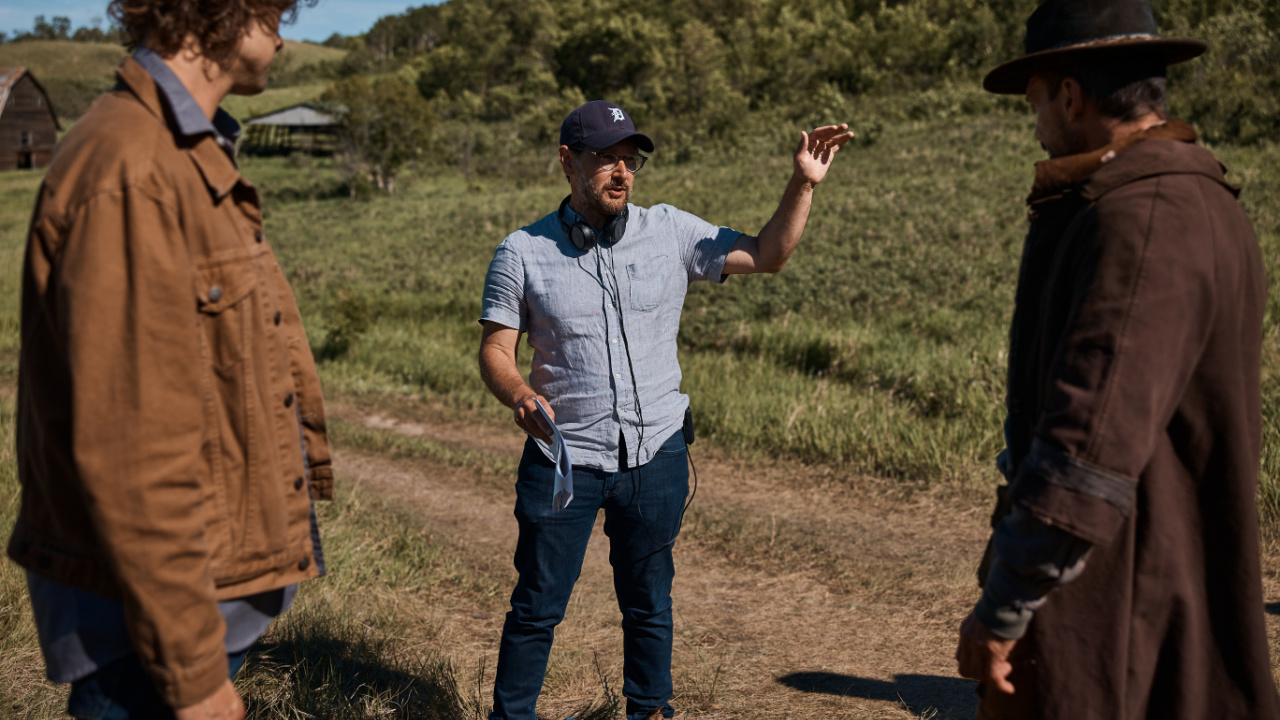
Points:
(216, 25)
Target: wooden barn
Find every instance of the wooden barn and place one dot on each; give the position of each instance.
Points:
(298, 128)
(28, 125)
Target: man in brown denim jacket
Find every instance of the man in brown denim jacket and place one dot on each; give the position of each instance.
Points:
(169, 411)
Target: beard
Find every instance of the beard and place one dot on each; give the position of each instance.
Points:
(597, 201)
(1066, 141)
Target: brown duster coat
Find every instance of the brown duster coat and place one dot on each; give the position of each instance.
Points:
(1135, 423)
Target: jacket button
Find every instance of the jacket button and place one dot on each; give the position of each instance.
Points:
(288, 400)
(257, 235)
(277, 318)
(215, 294)
(297, 484)
(304, 563)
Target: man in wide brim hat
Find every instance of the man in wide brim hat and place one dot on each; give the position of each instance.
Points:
(1123, 575)
(1065, 34)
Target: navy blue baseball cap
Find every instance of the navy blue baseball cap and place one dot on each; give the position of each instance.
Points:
(600, 124)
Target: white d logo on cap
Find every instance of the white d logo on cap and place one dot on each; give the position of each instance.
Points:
(617, 114)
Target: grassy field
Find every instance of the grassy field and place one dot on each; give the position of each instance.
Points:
(880, 347)
(879, 351)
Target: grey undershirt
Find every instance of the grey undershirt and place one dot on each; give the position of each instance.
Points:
(1031, 560)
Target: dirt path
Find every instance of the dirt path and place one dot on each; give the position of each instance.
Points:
(796, 595)
(799, 593)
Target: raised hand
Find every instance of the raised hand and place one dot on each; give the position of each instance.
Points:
(817, 150)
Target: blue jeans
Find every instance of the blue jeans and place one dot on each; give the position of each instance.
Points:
(642, 512)
(122, 690)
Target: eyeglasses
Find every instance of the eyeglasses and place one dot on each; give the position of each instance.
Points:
(609, 161)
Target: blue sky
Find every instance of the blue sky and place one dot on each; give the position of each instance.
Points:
(349, 17)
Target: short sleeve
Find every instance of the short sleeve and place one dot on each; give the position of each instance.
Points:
(504, 301)
(704, 247)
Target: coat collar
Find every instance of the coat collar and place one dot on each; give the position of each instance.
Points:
(217, 169)
(1053, 177)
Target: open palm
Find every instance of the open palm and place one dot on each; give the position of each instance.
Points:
(818, 149)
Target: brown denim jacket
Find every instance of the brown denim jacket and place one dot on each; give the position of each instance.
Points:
(163, 374)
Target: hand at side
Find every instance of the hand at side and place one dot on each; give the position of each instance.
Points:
(984, 656)
(532, 421)
(223, 704)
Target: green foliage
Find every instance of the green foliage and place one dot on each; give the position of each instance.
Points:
(385, 124)
(59, 28)
(1232, 94)
(348, 319)
(696, 73)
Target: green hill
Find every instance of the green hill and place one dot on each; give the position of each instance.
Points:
(74, 73)
(63, 59)
(301, 54)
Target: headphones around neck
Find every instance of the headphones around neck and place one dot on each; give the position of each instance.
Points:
(583, 236)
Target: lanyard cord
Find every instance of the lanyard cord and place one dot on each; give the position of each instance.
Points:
(635, 392)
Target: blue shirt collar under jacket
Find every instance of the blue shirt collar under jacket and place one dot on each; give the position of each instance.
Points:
(188, 116)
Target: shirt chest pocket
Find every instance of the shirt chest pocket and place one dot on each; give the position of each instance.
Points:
(648, 282)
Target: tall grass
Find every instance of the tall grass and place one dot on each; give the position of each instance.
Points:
(343, 651)
(24, 693)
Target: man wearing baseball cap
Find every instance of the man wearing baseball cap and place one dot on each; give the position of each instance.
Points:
(1123, 578)
(598, 285)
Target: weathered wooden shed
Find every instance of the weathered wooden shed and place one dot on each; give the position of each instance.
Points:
(28, 125)
(299, 128)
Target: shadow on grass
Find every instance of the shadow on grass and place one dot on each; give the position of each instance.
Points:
(320, 663)
(340, 668)
(952, 698)
(1272, 608)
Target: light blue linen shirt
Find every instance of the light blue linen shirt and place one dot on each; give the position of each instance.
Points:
(567, 302)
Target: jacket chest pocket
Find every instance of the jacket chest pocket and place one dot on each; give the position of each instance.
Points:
(224, 297)
(230, 314)
(648, 282)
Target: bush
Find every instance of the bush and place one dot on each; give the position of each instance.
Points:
(1230, 93)
(385, 124)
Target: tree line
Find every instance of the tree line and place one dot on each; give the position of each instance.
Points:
(487, 80)
(498, 75)
(59, 28)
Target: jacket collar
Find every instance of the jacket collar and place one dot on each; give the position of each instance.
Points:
(1057, 175)
(189, 119)
(216, 167)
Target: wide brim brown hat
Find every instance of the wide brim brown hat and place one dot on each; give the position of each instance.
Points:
(1067, 33)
